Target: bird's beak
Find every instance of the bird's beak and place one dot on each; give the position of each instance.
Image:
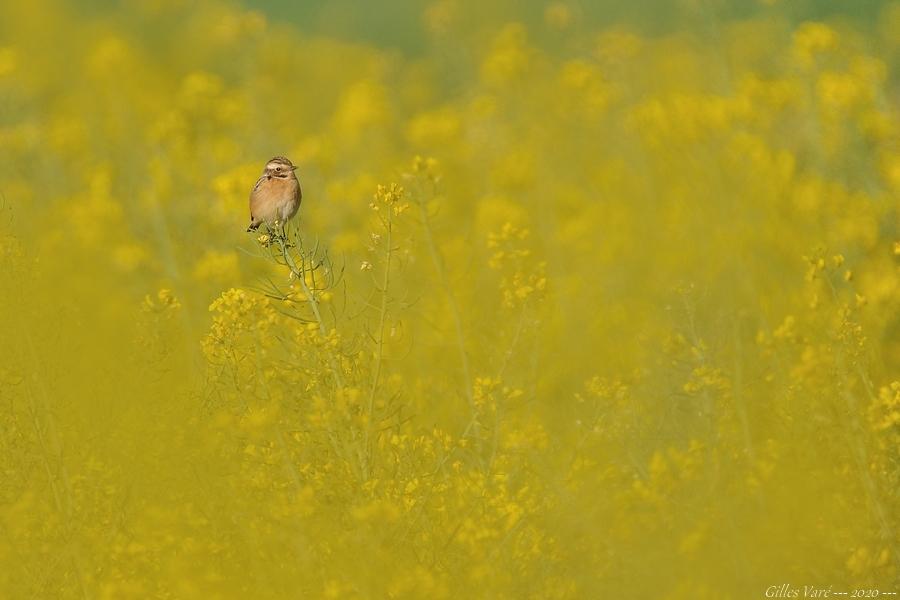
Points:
(294, 168)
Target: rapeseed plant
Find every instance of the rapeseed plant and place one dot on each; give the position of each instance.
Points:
(578, 304)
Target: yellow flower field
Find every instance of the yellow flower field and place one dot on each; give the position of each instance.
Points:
(584, 300)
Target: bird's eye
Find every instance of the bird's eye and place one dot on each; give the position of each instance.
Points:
(277, 168)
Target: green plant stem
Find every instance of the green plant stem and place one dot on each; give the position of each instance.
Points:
(379, 353)
(314, 305)
(438, 262)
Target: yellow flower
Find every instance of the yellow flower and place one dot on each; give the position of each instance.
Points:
(812, 39)
(219, 266)
(8, 61)
(558, 15)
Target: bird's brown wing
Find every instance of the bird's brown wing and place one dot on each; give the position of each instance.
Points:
(255, 202)
(259, 182)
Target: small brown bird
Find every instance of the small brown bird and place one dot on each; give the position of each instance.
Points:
(276, 196)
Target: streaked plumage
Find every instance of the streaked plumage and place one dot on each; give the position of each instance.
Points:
(276, 195)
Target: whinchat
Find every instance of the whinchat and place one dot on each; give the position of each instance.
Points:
(276, 196)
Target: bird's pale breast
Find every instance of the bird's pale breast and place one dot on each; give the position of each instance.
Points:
(275, 199)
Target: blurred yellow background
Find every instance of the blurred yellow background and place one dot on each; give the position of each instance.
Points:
(603, 299)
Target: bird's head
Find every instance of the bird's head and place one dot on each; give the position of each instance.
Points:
(279, 167)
